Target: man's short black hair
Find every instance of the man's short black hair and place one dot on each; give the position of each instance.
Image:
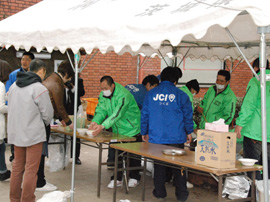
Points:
(152, 79)
(225, 73)
(178, 72)
(169, 74)
(193, 84)
(31, 55)
(36, 65)
(109, 80)
(256, 63)
(66, 68)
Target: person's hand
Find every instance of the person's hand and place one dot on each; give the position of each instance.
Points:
(200, 109)
(71, 126)
(145, 138)
(97, 130)
(63, 123)
(238, 131)
(92, 126)
(189, 138)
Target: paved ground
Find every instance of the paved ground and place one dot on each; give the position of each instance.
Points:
(86, 178)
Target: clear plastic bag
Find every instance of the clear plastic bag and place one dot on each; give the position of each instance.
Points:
(236, 187)
(56, 160)
(55, 196)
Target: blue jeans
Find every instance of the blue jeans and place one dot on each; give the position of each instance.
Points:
(253, 149)
(3, 167)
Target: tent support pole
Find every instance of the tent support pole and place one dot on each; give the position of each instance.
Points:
(262, 31)
(138, 69)
(251, 68)
(76, 59)
(90, 59)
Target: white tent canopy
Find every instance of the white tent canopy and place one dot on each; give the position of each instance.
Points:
(195, 27)
(124, 26)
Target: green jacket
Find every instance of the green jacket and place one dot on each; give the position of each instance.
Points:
(216, 106)
(122, 111)
(250, 113)
(187, 91)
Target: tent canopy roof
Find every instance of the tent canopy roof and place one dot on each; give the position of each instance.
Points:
(139, 26)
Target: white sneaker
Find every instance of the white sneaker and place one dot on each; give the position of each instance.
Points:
(189, 185)
(47, 187)
(111, 184)
(133, 183)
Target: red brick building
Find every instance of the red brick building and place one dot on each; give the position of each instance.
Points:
(123, 68)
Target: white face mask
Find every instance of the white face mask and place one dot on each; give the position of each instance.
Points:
(220, 87)
(107, 93)
(194, 94)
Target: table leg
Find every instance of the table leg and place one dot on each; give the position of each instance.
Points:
(65, 148)
(99, 168)
(253, 186)
(220, 180)
(115, 174)
(143, 180)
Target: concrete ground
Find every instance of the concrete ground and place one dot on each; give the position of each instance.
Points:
(86, 178)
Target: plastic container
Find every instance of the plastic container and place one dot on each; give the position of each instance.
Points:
(91, 105)
(260, 189)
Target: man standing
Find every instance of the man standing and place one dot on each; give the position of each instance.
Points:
(166, 118)
(191, 89)
(29, 110)
(27, 57)
(118, 104)
(69, 106)
(55, 84)
(248, 124)
(219, 101)
(139, 90)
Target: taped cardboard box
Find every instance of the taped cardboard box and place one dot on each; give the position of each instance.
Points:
(216, 149)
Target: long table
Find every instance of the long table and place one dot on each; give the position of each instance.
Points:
(154, 152)
(104, 137)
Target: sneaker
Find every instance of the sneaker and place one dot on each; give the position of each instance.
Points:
(47, 187)
(118, 184)
(189, 185)
(133, 183)
(5, 176)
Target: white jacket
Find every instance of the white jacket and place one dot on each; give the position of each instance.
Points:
(3, 110)
(29, 110)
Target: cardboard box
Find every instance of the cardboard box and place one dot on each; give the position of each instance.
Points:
(216, 149)
(217, 127)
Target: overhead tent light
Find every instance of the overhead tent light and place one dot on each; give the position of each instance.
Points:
(45, 56)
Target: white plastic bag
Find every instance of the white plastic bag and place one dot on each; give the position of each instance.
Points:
(55, 196)
(56, 153)
(236, 187)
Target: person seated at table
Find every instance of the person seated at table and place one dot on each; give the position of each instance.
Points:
(166, 118)
(123, 116)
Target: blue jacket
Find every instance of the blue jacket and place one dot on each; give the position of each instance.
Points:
(13, 77)
(166, 115)
(138, 91)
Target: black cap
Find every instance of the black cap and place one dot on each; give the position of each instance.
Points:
(193, 84)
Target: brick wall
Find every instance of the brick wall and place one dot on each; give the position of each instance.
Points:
(10, 7)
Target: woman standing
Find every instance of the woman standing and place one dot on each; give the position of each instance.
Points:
(5, 70)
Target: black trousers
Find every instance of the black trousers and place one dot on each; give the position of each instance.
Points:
(41, 176)
(179, 178)
(134, 174)
(78, 148)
